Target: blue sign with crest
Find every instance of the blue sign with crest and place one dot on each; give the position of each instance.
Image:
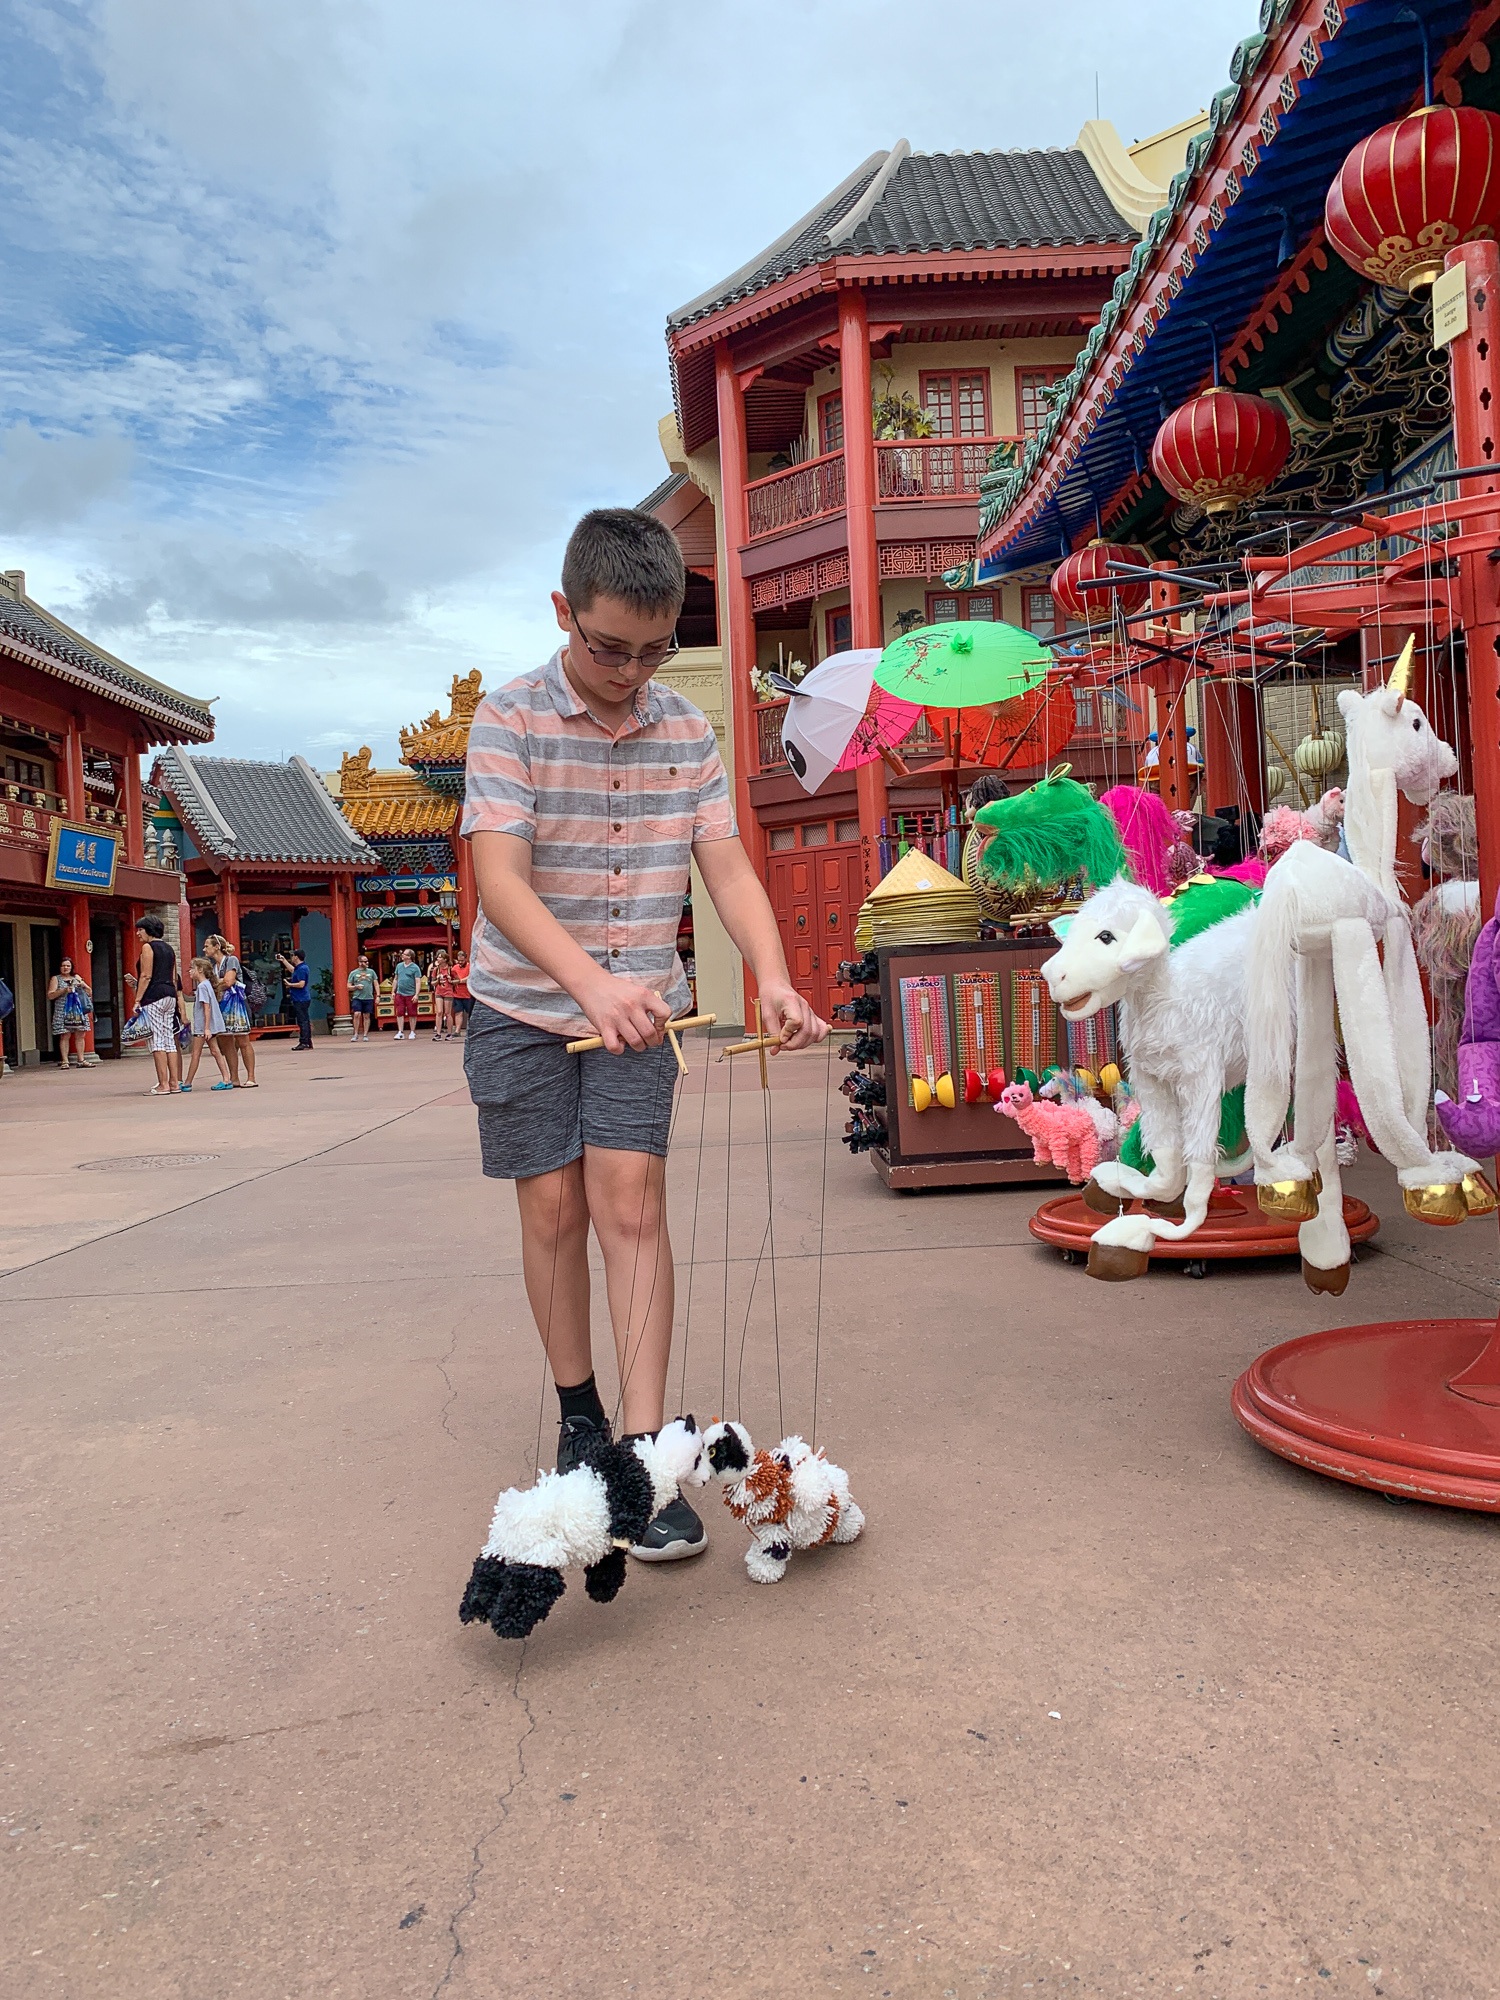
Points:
(82, 857)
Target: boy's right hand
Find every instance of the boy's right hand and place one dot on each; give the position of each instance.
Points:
(626, 1014)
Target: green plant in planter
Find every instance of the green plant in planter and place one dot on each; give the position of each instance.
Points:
(323, 990)
(898, 416)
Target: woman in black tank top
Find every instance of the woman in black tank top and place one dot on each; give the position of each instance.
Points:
(156, 989)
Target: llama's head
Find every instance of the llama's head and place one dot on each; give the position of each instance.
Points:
(1388, 732)
(728, 1451)
(1120, 934)
(1014, 1097)
(680, 1453)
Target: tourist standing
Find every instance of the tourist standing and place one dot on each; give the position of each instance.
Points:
(229, 983)
(72, 1003)
(406, 982)
(460, 1004)
(363, 987)
(156, 988)
(299, 993)
(208, 1025)
(440, 979)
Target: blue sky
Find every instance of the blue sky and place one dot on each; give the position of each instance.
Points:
(322, 322)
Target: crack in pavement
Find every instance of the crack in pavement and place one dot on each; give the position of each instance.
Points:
(476, 1858)
(442, 1369)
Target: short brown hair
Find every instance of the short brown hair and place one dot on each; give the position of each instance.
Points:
(621, 552)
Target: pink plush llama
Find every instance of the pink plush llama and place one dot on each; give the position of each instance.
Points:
(1061, 1135)
(1284, 826)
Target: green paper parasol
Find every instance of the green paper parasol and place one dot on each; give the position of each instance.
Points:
(962, 665)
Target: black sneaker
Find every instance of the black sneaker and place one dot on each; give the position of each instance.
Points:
(675, 1534)
(577, 1437)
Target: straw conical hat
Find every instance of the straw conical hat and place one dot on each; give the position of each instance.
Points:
(916, 874)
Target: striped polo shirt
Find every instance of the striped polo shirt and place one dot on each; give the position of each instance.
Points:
(611, 815)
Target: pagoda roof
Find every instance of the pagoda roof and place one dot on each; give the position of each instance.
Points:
(241, 811)
(444, 739)
(1226, 260)
(391, 805)
(31, 634)
(901, 202)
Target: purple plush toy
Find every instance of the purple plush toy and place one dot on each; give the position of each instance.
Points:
(1472, 1119)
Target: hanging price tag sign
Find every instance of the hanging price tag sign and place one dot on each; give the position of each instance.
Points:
(1450, 305)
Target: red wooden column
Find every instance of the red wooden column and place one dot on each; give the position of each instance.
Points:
(739, 623)
(73, 765)
(1174, 773)
(340, 928)
(1234, 764)
(228, 904)
(468, 891)
(1476, 438)
(866, 626)
(134, 844)
(78, 945)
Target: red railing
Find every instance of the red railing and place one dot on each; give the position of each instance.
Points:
(932, 468)
(768, 716)
(806, 492)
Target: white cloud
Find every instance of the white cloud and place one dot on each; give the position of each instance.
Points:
(322, 321)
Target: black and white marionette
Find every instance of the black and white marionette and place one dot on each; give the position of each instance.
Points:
(590, 1515)
(789, 1498)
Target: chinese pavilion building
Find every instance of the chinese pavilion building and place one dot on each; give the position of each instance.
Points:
(77, 871)
(420, 890)
(838, 401)
(271, 865)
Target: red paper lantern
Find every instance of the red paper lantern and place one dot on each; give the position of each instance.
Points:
(1412, 190)
(1221, 449)
(1084, 607)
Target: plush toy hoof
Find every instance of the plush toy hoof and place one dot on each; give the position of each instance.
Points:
(1101, 1201)
(1441, 1203)
(1291, 1201)
(946, 1095)
(1114, 1262)
(1332, 1282)
(1174, 1210)
(1479, 1197)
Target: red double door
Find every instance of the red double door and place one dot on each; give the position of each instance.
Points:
(816, 893)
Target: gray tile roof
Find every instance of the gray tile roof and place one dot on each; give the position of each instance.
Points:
(905, 202)
(242, 811)
(659, 494)
(45, 642)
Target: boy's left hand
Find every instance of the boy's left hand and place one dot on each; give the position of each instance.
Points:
(784, 1012)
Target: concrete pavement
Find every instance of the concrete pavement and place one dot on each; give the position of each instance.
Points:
(1106, 1701)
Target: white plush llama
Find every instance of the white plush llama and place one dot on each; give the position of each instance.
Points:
(1320, 921)
(1182, 1031)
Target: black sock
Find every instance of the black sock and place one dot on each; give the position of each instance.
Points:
(581, 1401)
(634, 1437)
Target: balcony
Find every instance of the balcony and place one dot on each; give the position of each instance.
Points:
(933, 468)
(807, 492)
(35, 797)
(906, 471)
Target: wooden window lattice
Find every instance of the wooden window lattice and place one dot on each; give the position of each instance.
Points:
(1268, 125)
(1288, 91)
(1333, 16)
(1249, 157)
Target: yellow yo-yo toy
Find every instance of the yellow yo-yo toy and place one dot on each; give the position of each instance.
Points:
(946, 1095)
(921, 1095)
(1109, 1078)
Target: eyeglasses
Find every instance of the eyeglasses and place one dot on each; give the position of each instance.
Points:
(650, 657)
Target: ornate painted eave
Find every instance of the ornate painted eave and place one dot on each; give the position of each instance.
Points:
(391, 805)
(439, 745)
(1219, 254)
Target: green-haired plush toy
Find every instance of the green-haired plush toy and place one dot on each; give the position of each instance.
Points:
(1046, 836)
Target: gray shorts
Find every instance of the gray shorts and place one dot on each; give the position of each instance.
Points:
(539, 1107)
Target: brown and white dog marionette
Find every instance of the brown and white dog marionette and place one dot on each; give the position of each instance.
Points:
(789, 1498)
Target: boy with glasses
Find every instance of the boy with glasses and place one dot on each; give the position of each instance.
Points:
(588, 789)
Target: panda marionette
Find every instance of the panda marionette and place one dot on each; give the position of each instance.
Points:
(589, 1515)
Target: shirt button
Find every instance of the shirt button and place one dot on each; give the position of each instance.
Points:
(617, 784)
(671, 770)
(617, 827)
(614, 951)
(616, 910)
(619, 871)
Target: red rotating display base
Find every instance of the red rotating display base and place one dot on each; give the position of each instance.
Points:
(1412, 1408)
(1234, 1227)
